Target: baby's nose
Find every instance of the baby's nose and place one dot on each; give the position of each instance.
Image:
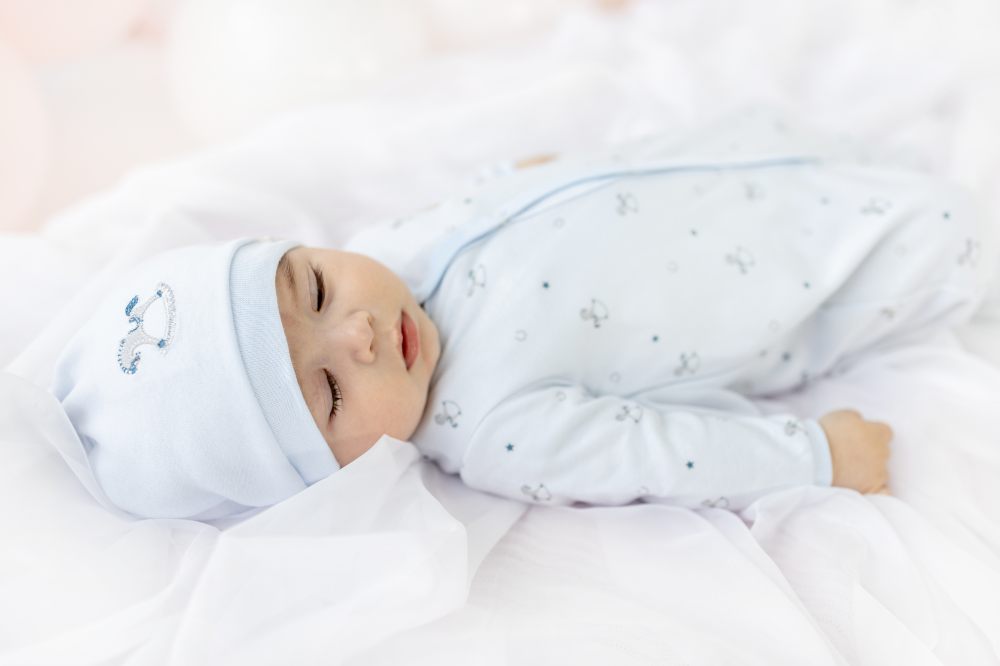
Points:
(360, 333)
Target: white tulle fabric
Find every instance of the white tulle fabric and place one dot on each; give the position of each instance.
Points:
(389, 561)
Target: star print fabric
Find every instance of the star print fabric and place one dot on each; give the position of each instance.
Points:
(646, 448)
(606, 324)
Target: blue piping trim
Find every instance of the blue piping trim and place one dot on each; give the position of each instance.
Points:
(445, 254)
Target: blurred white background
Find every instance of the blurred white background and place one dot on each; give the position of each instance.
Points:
(91, 88)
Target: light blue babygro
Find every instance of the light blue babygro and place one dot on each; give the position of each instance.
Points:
(604, 321)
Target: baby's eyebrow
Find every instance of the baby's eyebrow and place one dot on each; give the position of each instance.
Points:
(285, 266)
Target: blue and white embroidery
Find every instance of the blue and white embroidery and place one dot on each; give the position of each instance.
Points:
(450, 411)
(742, 258)
(718, 503)
(538, 493)
(597, 312)
(128, 356)
(971, 253)
(633, 412)
(792, 426)
(689, 363)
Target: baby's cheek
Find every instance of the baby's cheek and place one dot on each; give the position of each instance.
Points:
(405, 423)
(348, 449)
(402, 421)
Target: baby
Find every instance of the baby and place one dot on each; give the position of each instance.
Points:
(584, 330)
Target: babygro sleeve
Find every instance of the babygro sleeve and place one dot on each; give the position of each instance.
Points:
(561, 444)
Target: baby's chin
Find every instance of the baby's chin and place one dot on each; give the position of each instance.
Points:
(347, 452)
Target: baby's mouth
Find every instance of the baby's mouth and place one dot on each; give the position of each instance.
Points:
(410, 340)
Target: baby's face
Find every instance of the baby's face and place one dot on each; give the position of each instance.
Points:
(343, 315)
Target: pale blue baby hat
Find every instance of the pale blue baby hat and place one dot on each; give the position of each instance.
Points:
(182, 391)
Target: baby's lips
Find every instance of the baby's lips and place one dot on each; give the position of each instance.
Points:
(411, 340)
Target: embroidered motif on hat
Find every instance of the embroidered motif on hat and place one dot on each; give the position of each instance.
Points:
(128, 354)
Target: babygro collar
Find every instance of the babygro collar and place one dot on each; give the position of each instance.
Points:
(182, 390)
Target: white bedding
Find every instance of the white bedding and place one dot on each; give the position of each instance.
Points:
(389, 561)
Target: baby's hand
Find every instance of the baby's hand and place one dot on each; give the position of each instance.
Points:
(534, 160)
(859, 450)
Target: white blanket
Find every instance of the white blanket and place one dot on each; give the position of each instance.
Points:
(389, 561)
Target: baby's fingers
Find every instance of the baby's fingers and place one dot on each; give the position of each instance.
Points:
(884, 429)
